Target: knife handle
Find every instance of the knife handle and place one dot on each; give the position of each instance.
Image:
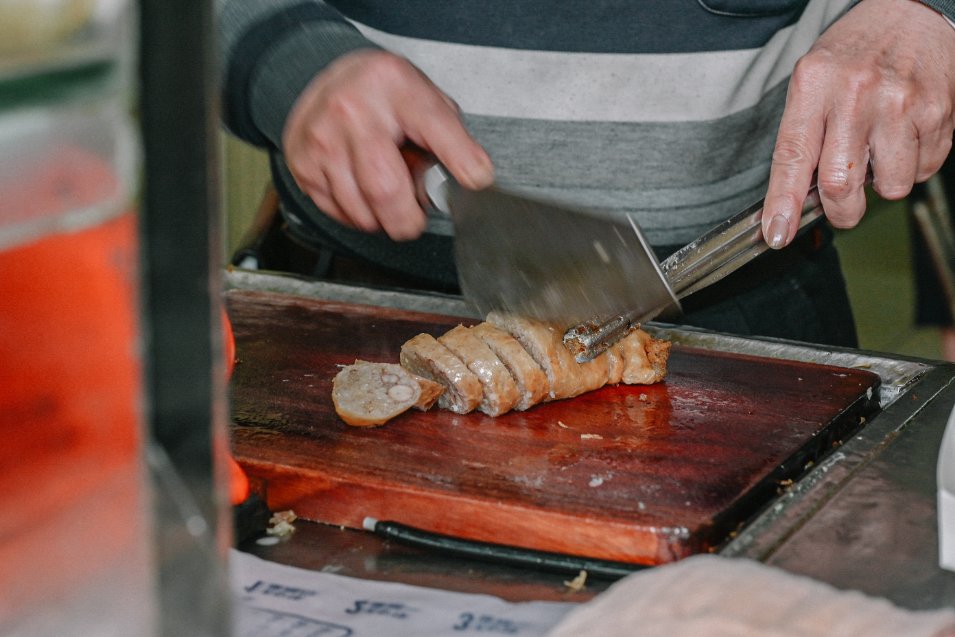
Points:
(728, 247)
(431, 180)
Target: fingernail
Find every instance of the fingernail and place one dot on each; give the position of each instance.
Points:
(778, 231)
(481, 171)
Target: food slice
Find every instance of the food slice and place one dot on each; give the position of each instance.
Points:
(616, 363)
(425, 356)
(430, 392)
(500, 392)
(543, 341)
(532, 384)
(645, 358)
(367, 394)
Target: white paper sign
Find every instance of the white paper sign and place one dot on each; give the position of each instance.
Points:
(274, 600)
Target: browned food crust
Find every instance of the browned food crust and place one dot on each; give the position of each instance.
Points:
(430, 392)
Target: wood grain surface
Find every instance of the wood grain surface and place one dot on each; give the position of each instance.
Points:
(640, 474)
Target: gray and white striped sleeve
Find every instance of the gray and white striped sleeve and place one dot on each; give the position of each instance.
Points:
(269, 51)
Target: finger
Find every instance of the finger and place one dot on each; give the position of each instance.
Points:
(318, 191)
(348, 197)
(386, 185)
(795, 157)
(305, 162)
(895, 158)
(437, 127)
(934, 149)
(312, 183)
(326, 204)
(843, 162)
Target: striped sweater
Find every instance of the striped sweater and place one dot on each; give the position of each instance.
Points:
(666, 109)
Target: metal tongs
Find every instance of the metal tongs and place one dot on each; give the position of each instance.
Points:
(715, 255)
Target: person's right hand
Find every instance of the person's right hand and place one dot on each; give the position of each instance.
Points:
(343, 137)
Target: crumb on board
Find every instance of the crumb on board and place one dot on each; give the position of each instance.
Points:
(281, 523)
(268, 540)
(561, 424)
(578, 583)
(591, 437)
(643, 398)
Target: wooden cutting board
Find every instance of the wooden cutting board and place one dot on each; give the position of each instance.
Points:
(641, 474)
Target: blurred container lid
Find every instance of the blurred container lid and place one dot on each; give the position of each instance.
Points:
(40, 36)
(64, 168)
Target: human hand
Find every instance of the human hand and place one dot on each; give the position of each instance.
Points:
(876, 91)
(343, 137)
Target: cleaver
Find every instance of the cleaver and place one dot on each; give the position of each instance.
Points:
(597, 276)
(545, 260)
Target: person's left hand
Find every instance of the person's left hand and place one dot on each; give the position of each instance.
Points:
(876, 91)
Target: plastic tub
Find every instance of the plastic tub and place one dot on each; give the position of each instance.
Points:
(64, 167)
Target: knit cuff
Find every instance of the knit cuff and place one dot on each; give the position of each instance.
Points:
(945, 7)
(287, 68)
(272, 61)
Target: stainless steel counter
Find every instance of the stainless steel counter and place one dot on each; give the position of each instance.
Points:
(864, 518)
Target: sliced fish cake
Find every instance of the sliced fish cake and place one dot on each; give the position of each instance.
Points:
(544, 343)
(532, 384)
(500, 389)
(425, 356)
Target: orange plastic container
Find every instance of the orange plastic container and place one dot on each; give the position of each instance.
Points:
(76, 523)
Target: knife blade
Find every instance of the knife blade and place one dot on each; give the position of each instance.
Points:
(545, 260)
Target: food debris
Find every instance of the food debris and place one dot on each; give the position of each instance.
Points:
(561, 424)
(784, 485)
(643, 397)
(268, 540)
(591, 437)
(281, 523)
(577, 584)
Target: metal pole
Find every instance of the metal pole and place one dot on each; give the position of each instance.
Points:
(185, 374)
